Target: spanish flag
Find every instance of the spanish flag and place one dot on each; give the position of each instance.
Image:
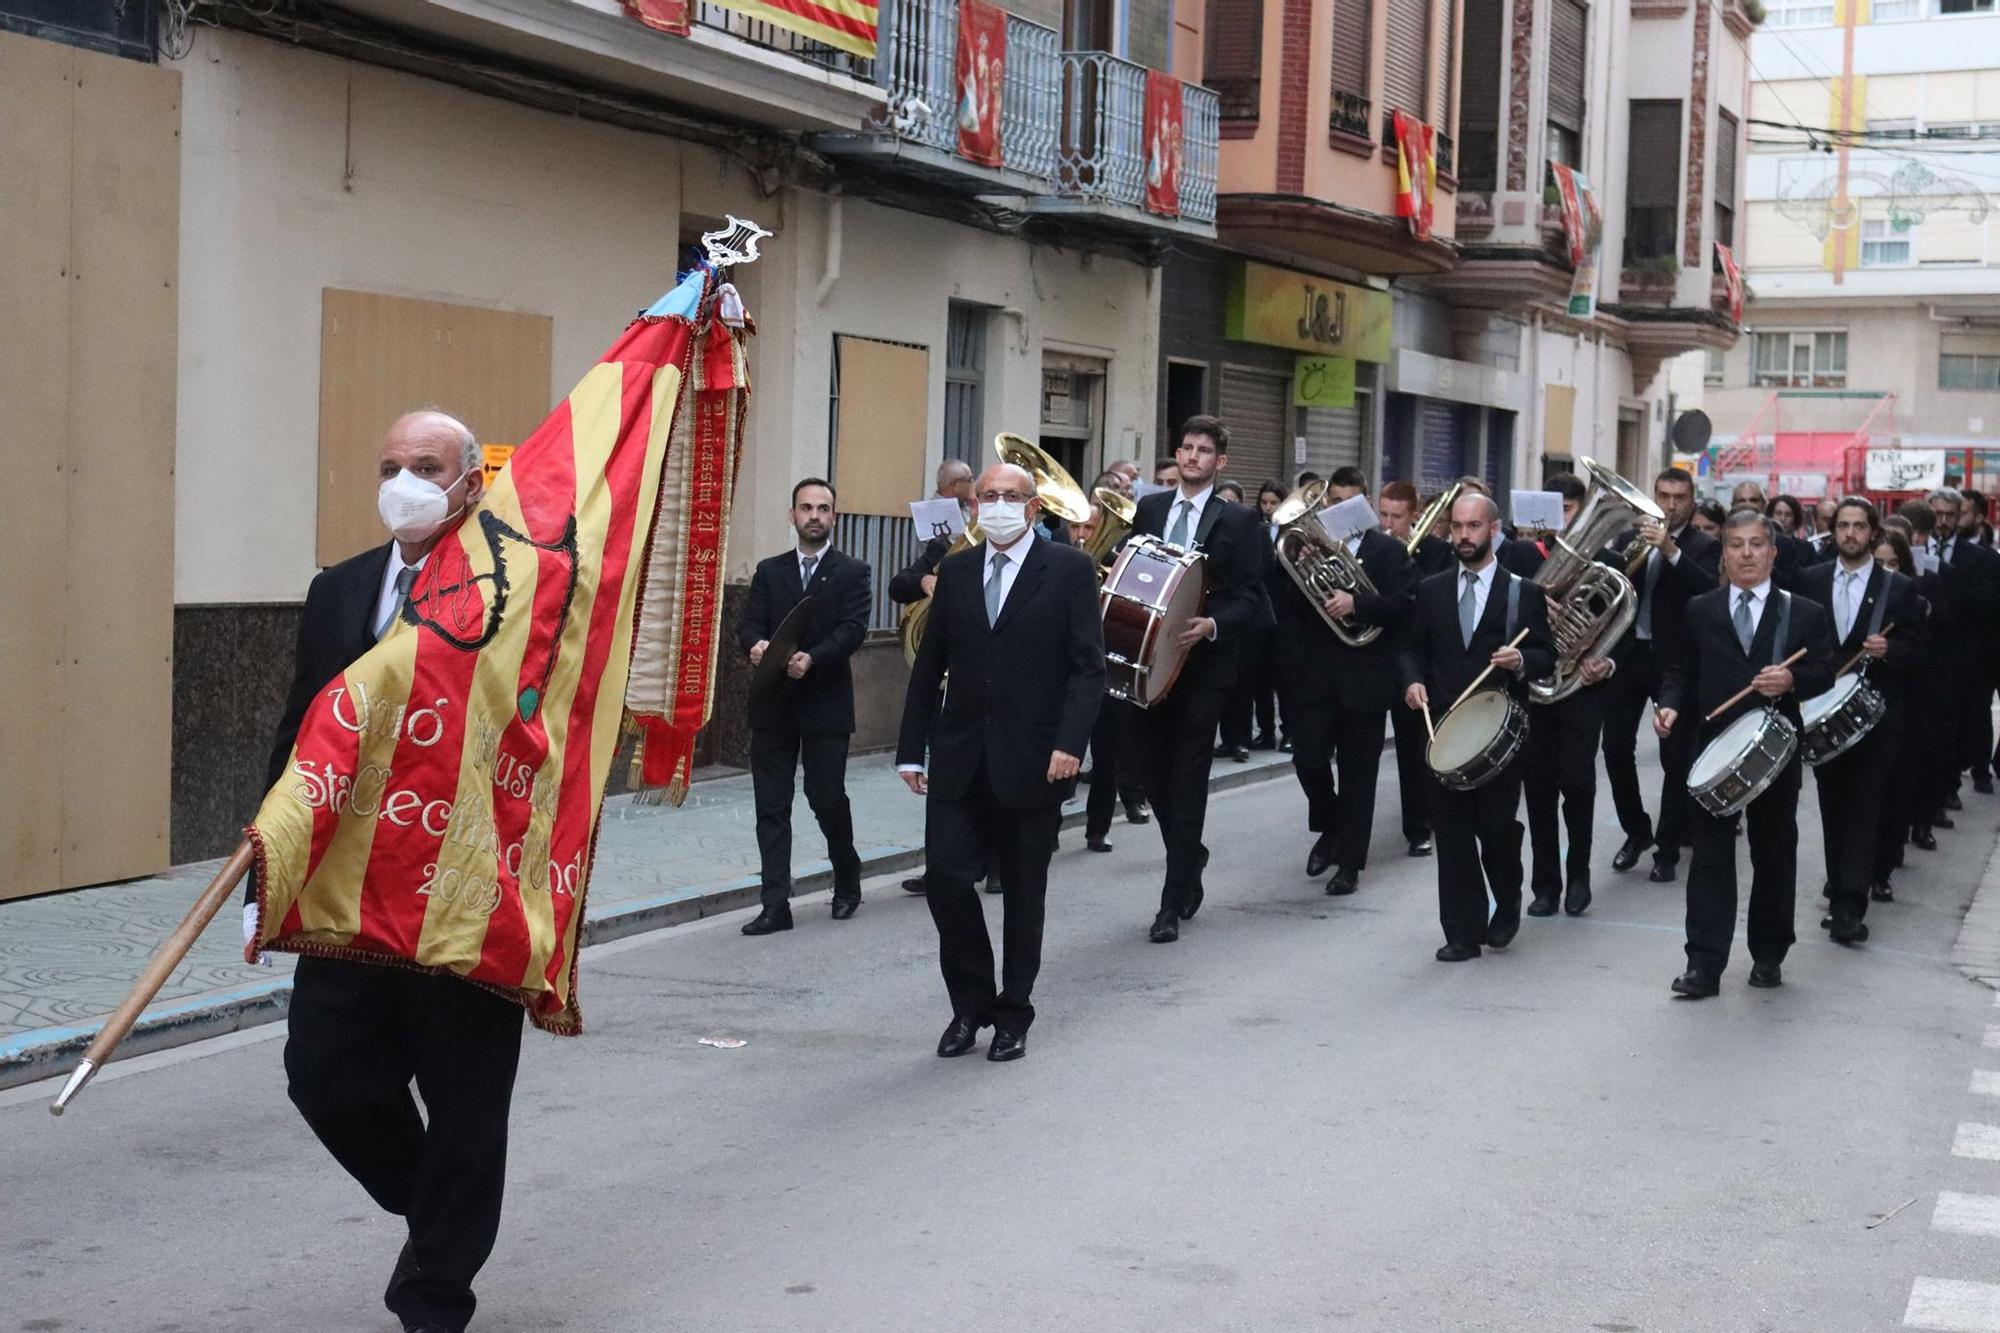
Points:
(440, 807)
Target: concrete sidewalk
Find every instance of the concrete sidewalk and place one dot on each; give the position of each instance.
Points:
(66, 960)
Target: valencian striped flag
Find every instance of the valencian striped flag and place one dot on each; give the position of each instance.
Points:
(846, 25)
(440, 807)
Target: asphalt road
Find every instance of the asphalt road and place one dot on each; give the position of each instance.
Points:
(1291, 1119)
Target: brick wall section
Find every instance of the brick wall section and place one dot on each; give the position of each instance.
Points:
(1294, 75)
(1697, 149)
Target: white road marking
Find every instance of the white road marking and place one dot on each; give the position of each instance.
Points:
(1993, 1037)
(1956, 1307)
(1986, 1082)
(1968, 1214)
(1977, 1140)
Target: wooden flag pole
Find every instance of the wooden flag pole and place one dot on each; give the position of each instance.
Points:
(1744, 693)
(165, 960)
(1480, 679)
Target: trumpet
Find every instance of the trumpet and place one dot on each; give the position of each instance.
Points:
(1320, 563)
(1428, 519)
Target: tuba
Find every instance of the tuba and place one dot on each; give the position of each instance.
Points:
(1428, 519)
(1590, 604)
(1059, 494)
(1319, 563)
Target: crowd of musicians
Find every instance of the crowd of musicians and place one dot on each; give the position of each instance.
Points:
(1750, 641)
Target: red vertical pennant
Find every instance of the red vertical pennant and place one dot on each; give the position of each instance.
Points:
(1164, 140)
(1732, 277)
(982, 54)
(1416, 173)
(662, 15)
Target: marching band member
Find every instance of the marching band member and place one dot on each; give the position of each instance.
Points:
(1681, 565)
(1738, 634)
(1173, 742)
(1865, 600)
(1398, 508)
(1339, 694)
(1466, 620)
(1016, 626)
(1967, 603)
(1900, 807)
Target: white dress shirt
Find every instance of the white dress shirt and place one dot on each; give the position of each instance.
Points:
(388, 601)
(1847, 609)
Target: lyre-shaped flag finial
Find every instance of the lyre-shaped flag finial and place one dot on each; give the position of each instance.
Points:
(733, 244)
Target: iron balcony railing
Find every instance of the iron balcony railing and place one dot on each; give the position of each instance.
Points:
(1102, 154)
(785, 42)
(917, 68)
(1445, 155)
(1351, 114)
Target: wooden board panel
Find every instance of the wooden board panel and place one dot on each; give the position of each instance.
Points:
(119, 544)
(879, 434)
(1558, 417)
(35, 79)
(382, 356)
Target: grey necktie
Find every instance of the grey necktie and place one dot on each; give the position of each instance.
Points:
(1847, 577)
(405, 578)
(993, 587)
(1468, 608)
(1179, 535)
(1745, 630)
(807, 564)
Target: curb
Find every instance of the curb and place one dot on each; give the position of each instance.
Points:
(51, 1052)
(1976, 951)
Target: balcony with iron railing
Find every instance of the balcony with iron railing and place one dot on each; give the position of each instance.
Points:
(1101, 158)
(1351, 114)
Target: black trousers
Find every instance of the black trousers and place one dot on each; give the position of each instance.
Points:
(774, 758)
(1478, 848)
(1173, 749)
(1107, 777)
(1256, 692)
(961, 839)
(1324, 737)
(1560, 767)
(1413, 772)
(1773, 834)
(1628, 704)
(359, 1033)
(1853, 796)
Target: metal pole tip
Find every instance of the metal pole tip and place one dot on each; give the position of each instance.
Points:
(77, 1078)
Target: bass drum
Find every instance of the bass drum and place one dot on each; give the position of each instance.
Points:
(1746, 757)
(1835, 722)
(1477, 740)
(1148, 598)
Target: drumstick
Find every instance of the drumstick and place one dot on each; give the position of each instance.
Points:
(1429, 730)
(1849, 666)
(1480, 679)
(1743, 693)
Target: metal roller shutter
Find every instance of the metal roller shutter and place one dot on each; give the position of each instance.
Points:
(1440, 444)
(1653, 171)
(1333, 438)
(1569, 21)
(1353, 25)
(1257, 409)
(1406, 60)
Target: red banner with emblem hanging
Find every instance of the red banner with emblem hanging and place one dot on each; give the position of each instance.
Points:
(1416, 173)
(1164, 142)
(982, 57)
(662, 15)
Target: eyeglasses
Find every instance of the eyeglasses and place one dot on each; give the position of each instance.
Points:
(1003, 497)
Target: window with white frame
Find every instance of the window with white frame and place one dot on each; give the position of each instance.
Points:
(1968, 370)
(1948, 7)
(1889, 11)
(1807, 13)
(1711, 372)
(1799, 359)
(1884, 243)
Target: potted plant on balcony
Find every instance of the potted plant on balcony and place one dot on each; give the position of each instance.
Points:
(1649, 279)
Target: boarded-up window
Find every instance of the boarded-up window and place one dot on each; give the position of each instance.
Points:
(1480, 83)
(1233, 58)
(1725, 179)
(1406, 60)
(882, 396)
(1353, 37)
(1653, 179)
(382, 356)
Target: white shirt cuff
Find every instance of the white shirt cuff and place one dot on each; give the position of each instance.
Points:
(1675, 558)
(909, 768)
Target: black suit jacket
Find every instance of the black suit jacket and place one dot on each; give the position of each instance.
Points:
(822, 703)
(1434, 556)
(1436, 655)
(1234, 569)
(1711, 664)
(1895, 673)
(907, 584)
(334, 631)
(1698, 570)
(1021, 689)
(1316, 667)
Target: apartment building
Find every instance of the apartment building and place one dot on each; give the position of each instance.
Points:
(1871, 249)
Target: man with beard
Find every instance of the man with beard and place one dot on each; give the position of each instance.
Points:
(1465, 621)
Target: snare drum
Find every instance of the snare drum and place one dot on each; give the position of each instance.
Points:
(1477, 740)
(1148, 598)
(1833, 723)
(1746, 757)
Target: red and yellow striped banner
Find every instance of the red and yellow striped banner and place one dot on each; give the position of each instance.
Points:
(440, 807)
(849, 25)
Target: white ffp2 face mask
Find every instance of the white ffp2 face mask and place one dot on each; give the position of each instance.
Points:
(1003, 520)
(412, 508)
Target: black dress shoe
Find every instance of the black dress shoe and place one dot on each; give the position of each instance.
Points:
(1321, 855)
(1240, 754)
(993, 884)
(844, 908)
(1344, 882)
(1007, 1045)
(959, 1037)
(1544, 905)
(1627, 856)
(1826, 923)
(1166, 927)
(1664, 871)
(769, 922)
(1881, 892)
(1138, 813)
(1422, 846)
(1096, 844)
(916, 884)
(1265, 742)
(1192, 903)
(1697, 985)
(1285, 745)
(1576, 899)
(1984, 786)
(1922, 838)
(1224, 751)
(1942, 820)
(1849, 932)
(1766, 976)
(1457, 953)
(1501, 930)
(1952, 802)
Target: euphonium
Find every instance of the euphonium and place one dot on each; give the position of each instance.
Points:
(1590, 604)
(1319, 563)
(1428, 519)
